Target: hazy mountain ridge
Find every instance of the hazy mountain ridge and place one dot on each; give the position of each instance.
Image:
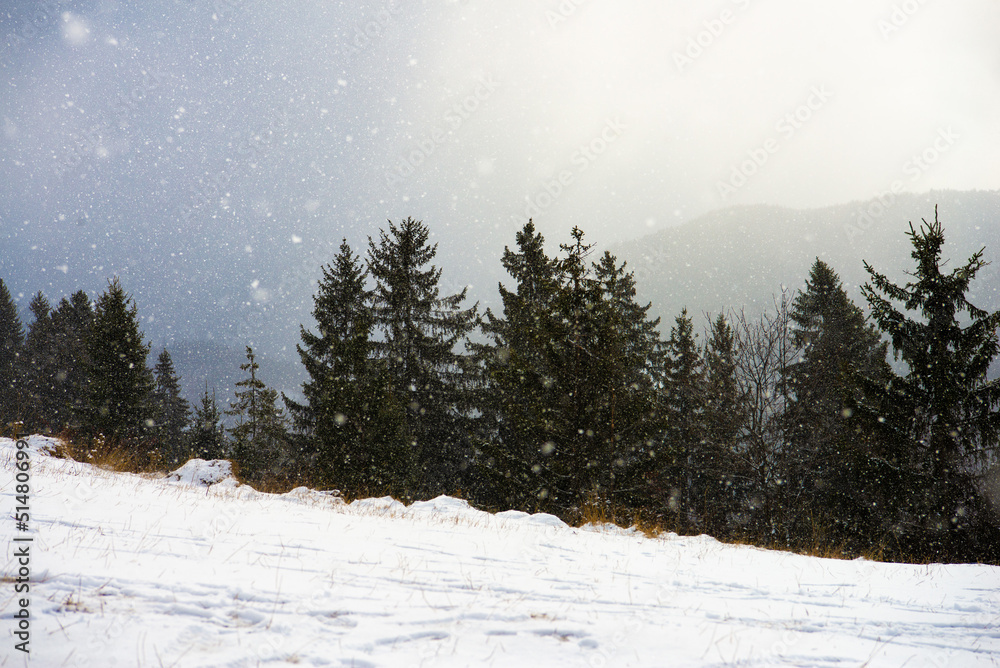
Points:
(742, 256)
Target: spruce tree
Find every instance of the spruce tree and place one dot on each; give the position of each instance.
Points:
(11, 349)
(207, 438)
(54, 362)
(580, 463)
(683, 472)
(825, 465)
(421, 336)
(352, 423)
(38, 367)
(631, 376)
(171, 412)
(119, 382)
(260, 437)
(724, 424)
(72, 323)
(516, 435)
(939, 422)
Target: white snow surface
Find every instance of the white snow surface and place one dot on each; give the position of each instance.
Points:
(130, 570)
(203, 473)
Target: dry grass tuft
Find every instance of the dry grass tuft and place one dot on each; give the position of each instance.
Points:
(120, 456)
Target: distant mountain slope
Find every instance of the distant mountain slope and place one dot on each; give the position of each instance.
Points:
(742, 256)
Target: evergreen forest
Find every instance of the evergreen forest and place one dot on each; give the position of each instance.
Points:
(818, 426)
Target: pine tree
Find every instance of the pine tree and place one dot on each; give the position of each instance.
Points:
(207, 438)
(724, 423)
(119, 382)
(351, 420)
(171, 412)
(631, 376)
(260, 436)
(420, 336)
(11, 349)
(825, 465)
(939, 422)
(54, 362)
(516, 435)
(579, 464)
(683, 475)
(72, 323)
(38, 367)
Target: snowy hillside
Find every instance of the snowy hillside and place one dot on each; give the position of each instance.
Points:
(194, 570)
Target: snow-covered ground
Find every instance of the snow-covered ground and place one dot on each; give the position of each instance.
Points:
(134, 571)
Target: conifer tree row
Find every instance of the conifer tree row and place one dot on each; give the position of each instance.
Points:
(82, 369)
(789, 429)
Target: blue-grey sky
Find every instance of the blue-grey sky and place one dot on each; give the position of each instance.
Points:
(213, 153)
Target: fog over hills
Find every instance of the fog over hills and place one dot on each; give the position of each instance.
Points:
(742, 256)
(734, 258)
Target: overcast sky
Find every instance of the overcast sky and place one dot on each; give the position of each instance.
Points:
(189, 144)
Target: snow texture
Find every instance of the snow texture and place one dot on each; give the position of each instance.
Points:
(201, 473)
(132, 570)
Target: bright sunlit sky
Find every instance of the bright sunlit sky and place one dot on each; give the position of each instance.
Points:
(214, 152)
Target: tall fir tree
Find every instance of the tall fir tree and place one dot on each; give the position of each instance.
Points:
(55, 361)
(260, 436)
(515, 403)
(11, 349)
(683, 473)
(422, 336)
(72, 323)
(171, 412)
(939, 422)
(826, 463)
(724, 425)
(38, 367)
(119, 381)
(632, 377)
(352, 422)
(207, 438)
